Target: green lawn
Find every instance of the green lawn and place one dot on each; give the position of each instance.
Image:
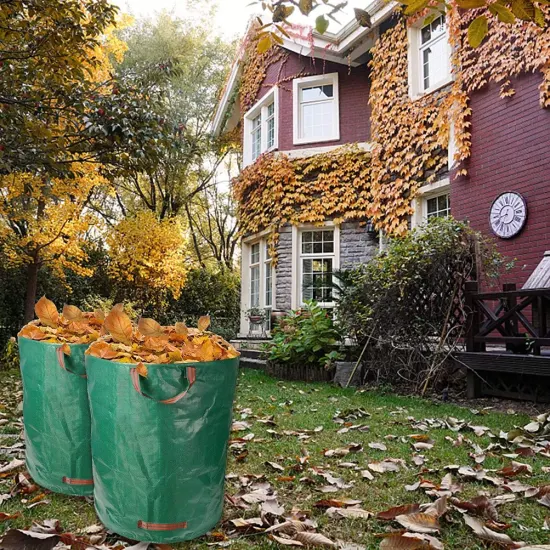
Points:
(300, 406)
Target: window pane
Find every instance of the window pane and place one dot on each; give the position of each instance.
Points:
(271, 126)
(255, 286)
(268, 284)
(317, 280)
(267, 252)
(307, 248)
(435, 62)
(255, 253)
(317, 93)
(439, 207)
(317, 120)
(256, 137)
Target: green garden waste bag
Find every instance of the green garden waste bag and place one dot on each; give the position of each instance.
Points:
(159, 446)
(56, 417)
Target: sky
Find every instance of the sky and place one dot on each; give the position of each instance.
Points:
(232, 17)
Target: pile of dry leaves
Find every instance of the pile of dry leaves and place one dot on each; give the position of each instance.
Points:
(149, 342)
(71, 327)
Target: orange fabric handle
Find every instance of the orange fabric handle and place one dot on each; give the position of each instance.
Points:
(71, 481)
(61, 361)
(191, 377)
(161, 526)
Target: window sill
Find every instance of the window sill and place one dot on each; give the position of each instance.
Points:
(308, 141)
(432, 89)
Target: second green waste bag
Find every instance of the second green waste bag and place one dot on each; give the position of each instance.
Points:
(56, 417)
(159, 446)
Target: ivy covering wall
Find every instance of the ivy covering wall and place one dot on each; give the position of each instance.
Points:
(410, 137)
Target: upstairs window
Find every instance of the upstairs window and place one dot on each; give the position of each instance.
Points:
(429, 57)
(316, 109)
(260, 127)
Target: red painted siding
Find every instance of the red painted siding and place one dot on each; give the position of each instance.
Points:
(354, 89)
(510, 152)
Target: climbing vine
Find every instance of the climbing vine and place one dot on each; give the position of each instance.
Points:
(276, 190)
(410, 136)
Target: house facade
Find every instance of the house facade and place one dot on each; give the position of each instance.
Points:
(333, 160)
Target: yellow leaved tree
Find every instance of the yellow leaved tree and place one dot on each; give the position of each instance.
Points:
(149, 258)
(43, 223)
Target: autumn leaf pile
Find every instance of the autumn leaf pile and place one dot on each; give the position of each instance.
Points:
(149, 342)
(72, 326)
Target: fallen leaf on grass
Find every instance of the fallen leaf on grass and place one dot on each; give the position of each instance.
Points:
(365, 474)
(479, 506)
(392, 513)
(315, 539)
(14, 464)
(6, 517)
(419, 522)
(545, 500)
(378, 446)
(353, 513)
(484, 533)
(275, 466)
(336, 503)
(515, 469)
(16, 539)
(401, 542)
(388, 465)
(285, 542)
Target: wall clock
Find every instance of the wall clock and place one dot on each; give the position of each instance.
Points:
(508, 215)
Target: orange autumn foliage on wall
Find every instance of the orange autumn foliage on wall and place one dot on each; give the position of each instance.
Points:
(410, 137)
(276, 190)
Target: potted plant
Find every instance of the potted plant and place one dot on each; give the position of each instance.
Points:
(255, 315)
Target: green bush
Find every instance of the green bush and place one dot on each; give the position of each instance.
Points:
(305, 337)
(207, 291)
(408, 303)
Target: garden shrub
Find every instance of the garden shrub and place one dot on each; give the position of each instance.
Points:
(408, 303)
(306, 337)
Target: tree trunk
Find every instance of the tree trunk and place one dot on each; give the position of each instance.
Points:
(30, 295)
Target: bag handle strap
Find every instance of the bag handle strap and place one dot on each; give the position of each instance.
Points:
(61, 360)
(191, 374)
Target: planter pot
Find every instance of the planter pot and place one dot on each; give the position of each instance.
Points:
(256, 320)
(343, 372)
(304, 373)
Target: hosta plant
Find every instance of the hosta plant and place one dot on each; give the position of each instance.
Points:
(149, 342)
(71, 326)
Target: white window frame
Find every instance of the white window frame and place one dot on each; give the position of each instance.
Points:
(430, 191)
(298, 256)
(306, 82)
(261, 109)
(262, 239)
(416, 76)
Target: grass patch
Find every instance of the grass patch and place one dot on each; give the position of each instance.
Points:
(306, 406)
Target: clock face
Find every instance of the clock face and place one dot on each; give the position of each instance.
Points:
(508, 215)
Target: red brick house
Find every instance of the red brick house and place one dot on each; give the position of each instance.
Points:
(316, 99)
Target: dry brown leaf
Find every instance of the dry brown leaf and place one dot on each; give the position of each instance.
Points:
(487, 534)
(149, 327)
(419, 522)
(204, 323)
(401, 542)
(479, 506)
(119, 326)
(353, 513)
(47, 312)
(285, 542)
(392, 513)
(142, 370)
(72, 313)
(66, 349)
(314, 539)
